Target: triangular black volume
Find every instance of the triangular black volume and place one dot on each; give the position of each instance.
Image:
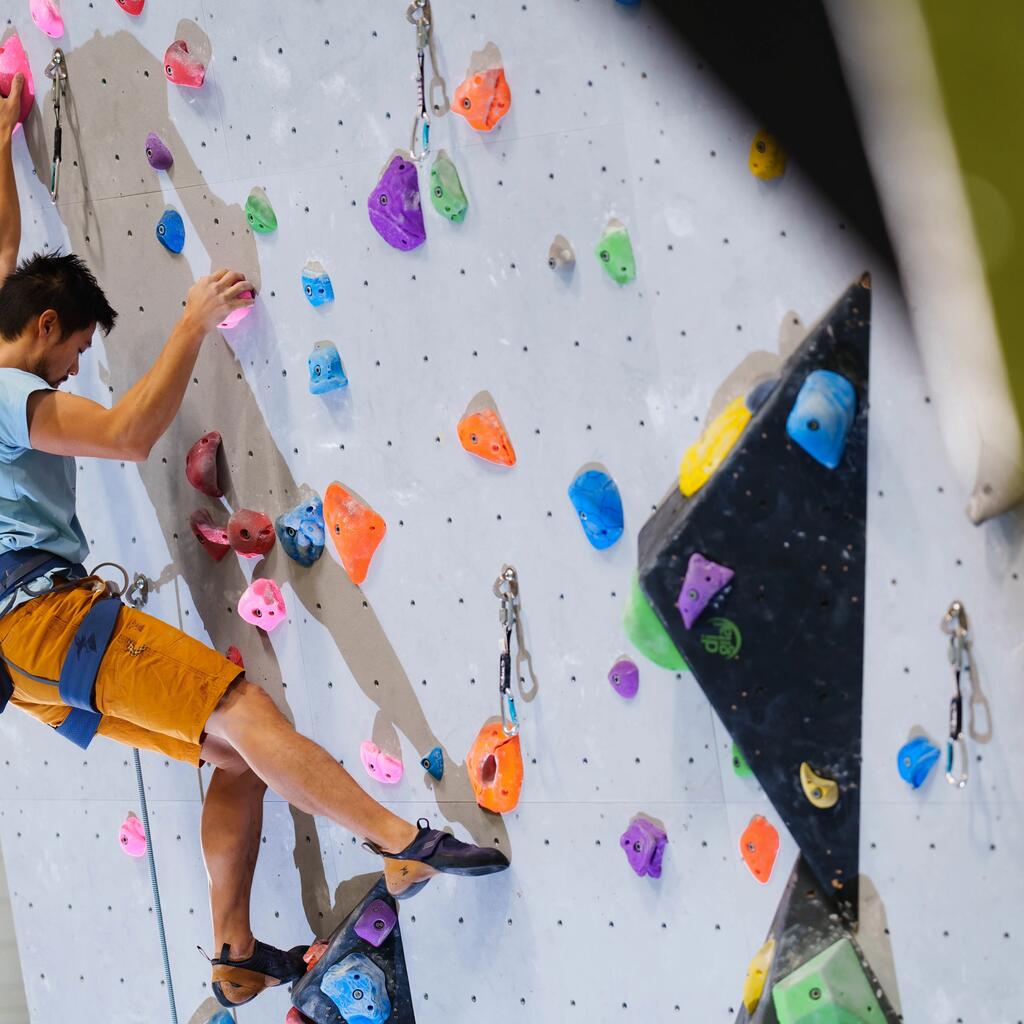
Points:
(309, 997)
(805, 925)
(780, 653)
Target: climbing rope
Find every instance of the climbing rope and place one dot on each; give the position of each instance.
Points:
(155, 885)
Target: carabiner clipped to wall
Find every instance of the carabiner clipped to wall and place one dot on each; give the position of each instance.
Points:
(420, 15)
(507, 589)
(956, 626)
(57, 72)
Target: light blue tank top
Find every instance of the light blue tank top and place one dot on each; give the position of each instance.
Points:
(37, 490)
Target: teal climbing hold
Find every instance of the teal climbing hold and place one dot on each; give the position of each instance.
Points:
(434, 763)
(446, 191)
(647, 634)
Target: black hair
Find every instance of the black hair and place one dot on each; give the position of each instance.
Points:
(54, 281)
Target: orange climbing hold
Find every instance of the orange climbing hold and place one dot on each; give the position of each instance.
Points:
(759, 846)
(495, 765)
(483, 99)
(355, 528)
(482, 433)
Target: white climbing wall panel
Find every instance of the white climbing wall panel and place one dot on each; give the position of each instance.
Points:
(610, 118)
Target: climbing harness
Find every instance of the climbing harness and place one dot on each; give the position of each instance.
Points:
(77, 682)
(507, 589)
(419, 14)
(956, 626)
(57, 71)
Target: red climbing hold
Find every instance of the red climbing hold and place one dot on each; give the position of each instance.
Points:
(483, 434)
(355, 528)
(495, 765)
(12, 60)
(235, 656)
(201, 465)
(295, 1016)
(181, 67)
(213, 538)
(313, 954)
(250, 533)
(759, 846)
(133, 7)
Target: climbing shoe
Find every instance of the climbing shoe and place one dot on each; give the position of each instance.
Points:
(406, 872)
(240, 981)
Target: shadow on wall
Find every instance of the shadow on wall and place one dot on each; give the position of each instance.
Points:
(115, 237)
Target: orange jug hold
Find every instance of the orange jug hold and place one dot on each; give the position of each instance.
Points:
(759, 846)
(355, 528)
(483, 434)
(495, 765)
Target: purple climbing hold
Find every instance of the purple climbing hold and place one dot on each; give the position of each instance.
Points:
(394, 205)
(376, 922)
(625, 678)
(704, 579)
(157, 153)
(644, 843)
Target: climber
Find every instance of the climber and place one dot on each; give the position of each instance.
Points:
(76, 659)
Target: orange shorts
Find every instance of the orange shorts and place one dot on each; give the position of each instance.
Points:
(156, 686)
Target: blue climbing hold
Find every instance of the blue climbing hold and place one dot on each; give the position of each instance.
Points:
(357, 988)
(599, 505)
(316, 283)
(221, 1017)
(916, 759)
(325, 370)
(822, 415)
(301, 531)
(758, 394)
(434, 763)
(170, 230)
(628, 3)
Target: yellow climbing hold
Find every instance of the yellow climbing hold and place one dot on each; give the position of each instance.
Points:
(823, 793)
(767, 157)
(708, 452)
(757, 975)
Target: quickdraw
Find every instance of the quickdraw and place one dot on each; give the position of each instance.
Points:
(956, 626)
(506, 587)
(420, 15)
(57, 72)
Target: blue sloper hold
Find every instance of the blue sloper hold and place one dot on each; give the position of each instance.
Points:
(357, 988)
(916, 760)
(599, 505)
(822, 415)
(434, 763)
(325, 370)
(170, 230)
(301, 531)
(316, 283)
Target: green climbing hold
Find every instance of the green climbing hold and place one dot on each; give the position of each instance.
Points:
(615, 251)
(831, 988)
(647, 634)
(259, 213)
(446, 192)
(739, 764)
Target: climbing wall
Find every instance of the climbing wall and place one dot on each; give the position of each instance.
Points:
(609, 119)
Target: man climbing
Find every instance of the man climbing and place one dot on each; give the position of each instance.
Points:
(85, 665)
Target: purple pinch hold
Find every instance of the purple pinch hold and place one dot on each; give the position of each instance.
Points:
(376, 922)
(703, 580)
(644, 845)
(157, 153)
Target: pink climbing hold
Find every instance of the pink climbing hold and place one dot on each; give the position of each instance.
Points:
(236, 316)
(181, 67)
(704, 579)
(47, 17)
(13, 60)
(133, 837)
(234, 655)
(132, 7)
(380, 766)
(262, 605)
(212, 538)
(201, 465)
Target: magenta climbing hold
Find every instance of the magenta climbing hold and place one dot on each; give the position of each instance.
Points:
(157, 153)
(250, 534)
(644, 845)
(132, 7)
(376, 922)
(236, 316)
(394, 205)
(380, 766)
(704, 579)
(625, 678)
(201, 465)
(132, 837)
(182, 67)
(14, 60)
(46, 17)
(212, 538)
(262, 604)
